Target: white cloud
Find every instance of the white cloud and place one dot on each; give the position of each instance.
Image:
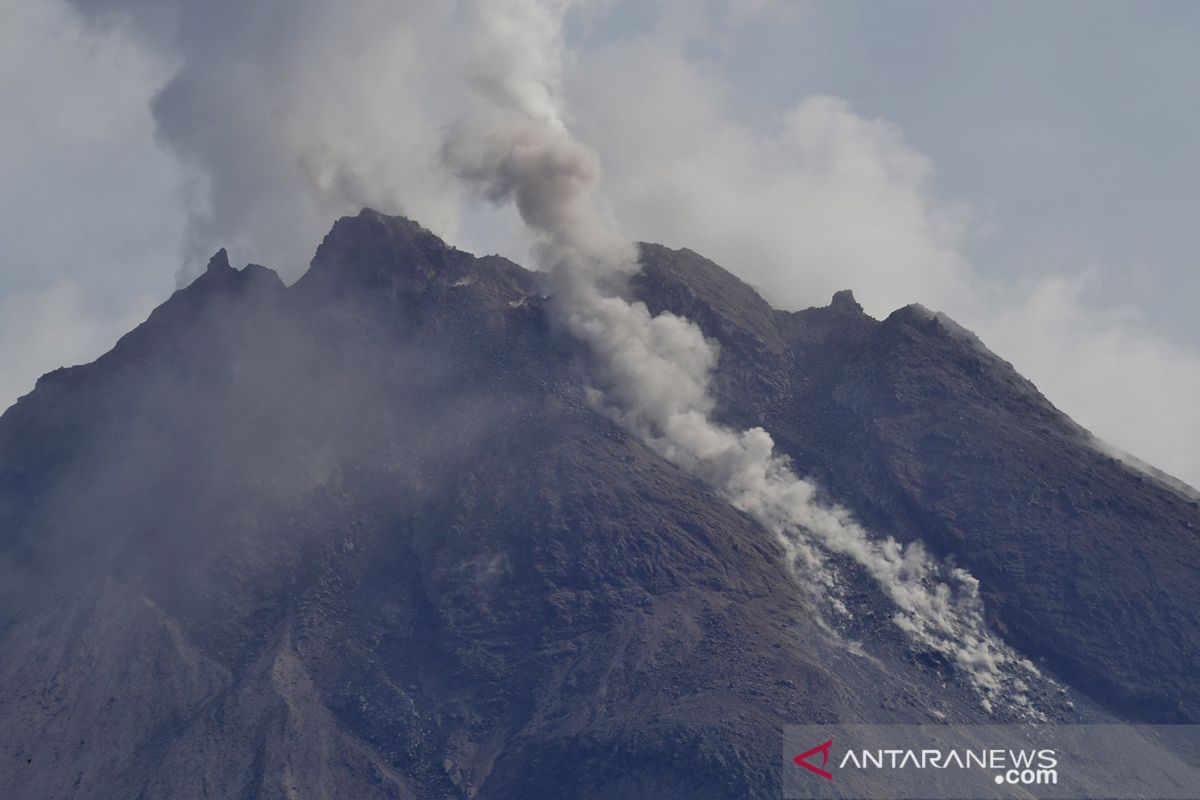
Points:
(89, 219)
(1106, 367)
(294, 117)
(823, 201)
(652, 373)
(291, 115)
(827, 199)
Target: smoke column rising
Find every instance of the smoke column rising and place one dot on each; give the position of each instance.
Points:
(288, 115)
(652, 372)
(293, 113)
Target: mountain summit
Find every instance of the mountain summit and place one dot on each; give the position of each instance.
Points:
(365, 536)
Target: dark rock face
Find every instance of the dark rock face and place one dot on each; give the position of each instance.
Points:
(1086, 565)
(364, 537)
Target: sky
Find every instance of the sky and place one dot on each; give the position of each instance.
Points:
(1028, 168)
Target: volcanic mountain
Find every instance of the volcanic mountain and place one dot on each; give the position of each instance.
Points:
(367, 536)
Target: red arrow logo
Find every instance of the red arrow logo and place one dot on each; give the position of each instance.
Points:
(823, 749)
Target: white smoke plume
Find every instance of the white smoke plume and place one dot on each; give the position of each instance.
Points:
(652, 372)
(294, 113)
(818, 196)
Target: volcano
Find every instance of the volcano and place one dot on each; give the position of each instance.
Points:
(368, 536)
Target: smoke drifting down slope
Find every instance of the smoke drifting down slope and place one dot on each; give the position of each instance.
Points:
(652, 373)
(370, 523)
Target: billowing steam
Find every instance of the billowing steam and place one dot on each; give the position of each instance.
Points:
(652, 372)
(292, 114)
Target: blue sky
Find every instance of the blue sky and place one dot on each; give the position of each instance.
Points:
(1028, 167)
(1070, 128)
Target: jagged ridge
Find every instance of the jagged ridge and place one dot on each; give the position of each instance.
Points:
(371, 522)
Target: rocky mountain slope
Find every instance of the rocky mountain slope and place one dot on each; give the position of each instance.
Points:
(364, 536)
(1088, 565)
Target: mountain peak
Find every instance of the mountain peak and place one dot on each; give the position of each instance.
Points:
(354, 533)
(690, 285)
(219, 262)
(372, 254)
(375, 250)
(845, 300)
(397, 226)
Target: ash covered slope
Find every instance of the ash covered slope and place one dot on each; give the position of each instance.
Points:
(1087, 565)
(364, 537)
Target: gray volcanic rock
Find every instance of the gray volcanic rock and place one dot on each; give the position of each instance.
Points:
(365, 537)
(1089, 566)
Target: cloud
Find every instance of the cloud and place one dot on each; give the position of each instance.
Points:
(289, 115)
(652, 373)
(823, 198)
(89, 219)
(1106, 367)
